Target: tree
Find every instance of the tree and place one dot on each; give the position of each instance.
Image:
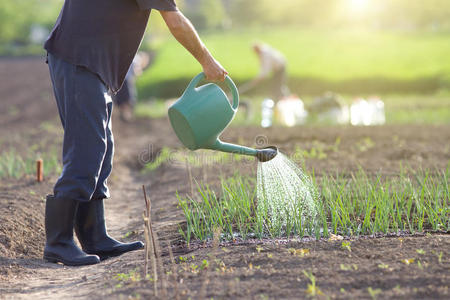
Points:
(204, 14)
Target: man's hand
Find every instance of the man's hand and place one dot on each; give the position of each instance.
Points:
(182, 29)
(214, 70)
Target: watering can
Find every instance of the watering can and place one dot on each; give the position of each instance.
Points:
(201, 114)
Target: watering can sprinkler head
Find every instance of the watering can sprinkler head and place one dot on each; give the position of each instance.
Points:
(266, 154)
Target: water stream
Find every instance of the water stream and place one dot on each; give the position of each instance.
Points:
(285, 193)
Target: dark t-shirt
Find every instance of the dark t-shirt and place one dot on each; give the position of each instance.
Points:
(102, 35)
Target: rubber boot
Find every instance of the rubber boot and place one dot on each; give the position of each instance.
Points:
(59, 223)
(91, 231)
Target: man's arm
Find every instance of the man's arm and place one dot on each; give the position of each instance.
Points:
(182, 29)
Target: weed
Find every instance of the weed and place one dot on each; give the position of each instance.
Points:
(182, 259)
(408, 261)
(420, 251)
(204, 265)
(419, 265)
(441, 254)
(298, 252)
(373, 292)
(312, 290)
(351, 267)
(346, 245)
(131, 276)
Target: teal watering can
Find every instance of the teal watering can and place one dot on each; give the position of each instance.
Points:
(201, 114)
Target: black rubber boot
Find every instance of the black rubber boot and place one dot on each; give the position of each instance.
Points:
(60, 246)
(91, 232)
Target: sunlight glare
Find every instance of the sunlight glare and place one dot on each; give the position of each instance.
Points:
(358, 6)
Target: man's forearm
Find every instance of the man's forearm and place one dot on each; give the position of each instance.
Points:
(182, 29)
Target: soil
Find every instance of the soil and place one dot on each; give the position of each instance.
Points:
(403, 266)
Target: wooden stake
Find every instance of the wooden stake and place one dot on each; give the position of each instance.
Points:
(149, 242)
(174, 272)
(39, 170)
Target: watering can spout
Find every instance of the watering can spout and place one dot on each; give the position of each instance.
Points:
(262, 155)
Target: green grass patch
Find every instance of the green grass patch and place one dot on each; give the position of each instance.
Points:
(351, 205)
(340, 60)
(14, 165)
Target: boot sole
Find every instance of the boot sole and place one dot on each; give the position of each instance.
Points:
(113, 253)
(55, 260)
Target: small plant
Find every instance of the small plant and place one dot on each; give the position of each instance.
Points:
(312, 290)
(131, 276)
(440, 255)
(204, 265)
(349, 267)
(346, 245)
(373, 292)
(182, 259)
(298, 252)
(408, 261)
(420, 251)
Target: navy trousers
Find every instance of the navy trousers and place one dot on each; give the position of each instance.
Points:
(85, 109)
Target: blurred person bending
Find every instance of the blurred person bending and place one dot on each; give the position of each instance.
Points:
(273, 66)
(90, 51)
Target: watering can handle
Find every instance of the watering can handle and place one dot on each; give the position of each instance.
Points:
(229, 82)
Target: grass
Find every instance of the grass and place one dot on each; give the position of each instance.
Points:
(319, 57)
(352, 205)
(14, 165)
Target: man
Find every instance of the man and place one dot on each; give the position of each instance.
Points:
(273, 64)
(89, 53)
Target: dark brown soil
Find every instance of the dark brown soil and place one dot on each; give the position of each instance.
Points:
(255, 270)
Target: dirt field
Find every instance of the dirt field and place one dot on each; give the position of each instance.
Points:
(383, 267)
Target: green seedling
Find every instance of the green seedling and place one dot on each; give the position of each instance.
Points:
(298, 252)
(312, 290)
(204, 265)
(420, 251)
(373, 292)
(408, 261)
(383, 266)
(182, 259)
(419, 265)
(122, 278)
(349, 267)
(130, 233)
(346, 245)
